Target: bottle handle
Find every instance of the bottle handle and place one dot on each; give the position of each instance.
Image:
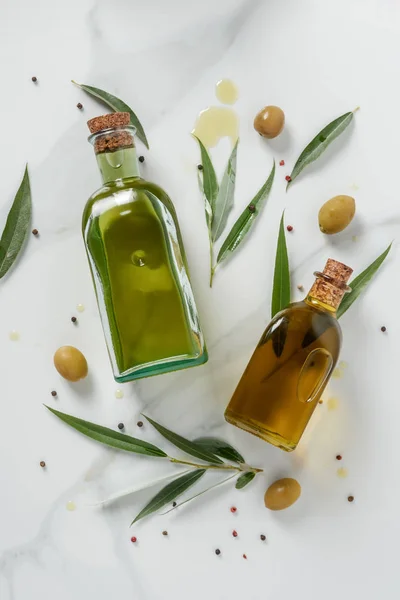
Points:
(314, 374)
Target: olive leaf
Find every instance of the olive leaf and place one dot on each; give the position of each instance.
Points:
(109, 437)
(281, 287)
(220, 448)
(244, 480)
(210, 183)
(360, 282)
(320, 143)
(182, 443)
(117, 105)
(207, 206)
(17, 225)
(168, 493)
(225, 196)
(244, 223)
(200, 493)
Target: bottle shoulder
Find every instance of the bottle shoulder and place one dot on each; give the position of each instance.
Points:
(304, 317)
(135, 184)
(131, 183)
(302, 328)
(302, 309)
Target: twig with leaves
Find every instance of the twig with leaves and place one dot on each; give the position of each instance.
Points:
(208, 450)
(218, 202)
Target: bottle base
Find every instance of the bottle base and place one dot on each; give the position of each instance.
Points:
(152, 369)
(260, 431)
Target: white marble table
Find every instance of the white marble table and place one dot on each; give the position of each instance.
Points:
(316, 60)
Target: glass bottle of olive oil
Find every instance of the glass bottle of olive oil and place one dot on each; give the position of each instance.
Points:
(292, 363)
(138, 263)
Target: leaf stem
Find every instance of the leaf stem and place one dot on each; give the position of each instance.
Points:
(212, 272)
(225, 467)
(212, 268)
(197, 466)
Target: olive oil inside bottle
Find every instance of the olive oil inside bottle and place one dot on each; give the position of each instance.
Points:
(144, 294)
(281, 387)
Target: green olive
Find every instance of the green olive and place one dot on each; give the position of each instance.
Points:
(70, 363)
(282, 493)
(269, 121)
(336, 214)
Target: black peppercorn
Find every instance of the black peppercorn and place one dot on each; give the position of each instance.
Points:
(120, 426)
(139, 423)
(141, 159)
(42, 464)
(34, 79)
(262, 537)
(200, 167)
(79, 105)
(165, 532)
(35, 232)
(350, 498)
(54, 393)
(252, 208)
(218, 552)
(383, 328)
(73, 319)
(174, 504)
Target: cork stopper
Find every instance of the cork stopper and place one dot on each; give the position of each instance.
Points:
(331, 285)
(111, 141)
(117, 119)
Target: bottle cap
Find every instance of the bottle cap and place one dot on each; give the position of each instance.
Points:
(117, 119)
(331, 285)
(111, 132)
(337, 271)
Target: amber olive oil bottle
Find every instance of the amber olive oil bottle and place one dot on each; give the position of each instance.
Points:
(292, 363)
(138, 263)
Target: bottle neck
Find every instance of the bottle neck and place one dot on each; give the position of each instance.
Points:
(316, 303)
(330, 286)
(118, 165)
(326, 293)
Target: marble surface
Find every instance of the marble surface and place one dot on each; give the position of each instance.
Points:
(316, 60)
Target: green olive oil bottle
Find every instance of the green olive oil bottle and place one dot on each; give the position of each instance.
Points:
(138, 263)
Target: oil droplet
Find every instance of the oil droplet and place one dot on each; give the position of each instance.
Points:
(138, 258)
(71, 506)
(342, 365)
(14, 335)
(80, 307)
(226, 91)
(333, 403)
(337, 373)
(342, 472)
(119, 394)
(214, 123)
(115, 159)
